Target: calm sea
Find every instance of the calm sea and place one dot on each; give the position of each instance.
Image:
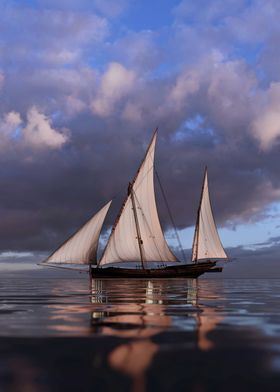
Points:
(61, 331)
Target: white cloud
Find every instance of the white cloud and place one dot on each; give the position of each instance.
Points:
(49, 36)
(8, 127)
(39, 133)
(230, 95)
(116, 83)
(74, 105)
(36, 133)
(266, 125)
(60, 56)
(186, 84)
(12, 120)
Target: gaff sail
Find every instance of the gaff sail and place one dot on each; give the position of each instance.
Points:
(81, 247)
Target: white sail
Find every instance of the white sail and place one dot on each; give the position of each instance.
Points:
(81, 248)
(123, 244)
(207, 243)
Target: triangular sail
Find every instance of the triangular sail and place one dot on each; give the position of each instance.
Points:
(207, 243)
(81, 248)
(125, 243)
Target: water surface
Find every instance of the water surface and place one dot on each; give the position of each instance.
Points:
(64, 331)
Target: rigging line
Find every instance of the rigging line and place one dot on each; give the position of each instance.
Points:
(126, 199)
(147, 223)
(139, 238)
(170, 216)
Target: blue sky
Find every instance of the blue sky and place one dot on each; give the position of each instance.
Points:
(84, 83)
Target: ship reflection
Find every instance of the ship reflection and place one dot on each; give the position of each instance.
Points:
(136, 310)
(139, 310)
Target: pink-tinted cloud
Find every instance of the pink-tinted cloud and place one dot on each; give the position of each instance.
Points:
(36, 133)
(115, 85)
(266, 124)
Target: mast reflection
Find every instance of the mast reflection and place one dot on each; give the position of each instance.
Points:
(132, 310)
(138, 310)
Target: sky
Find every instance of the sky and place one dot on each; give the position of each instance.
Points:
(83, 84)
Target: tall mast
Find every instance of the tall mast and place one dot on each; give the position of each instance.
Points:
(196, 233)
(130, 188)
(131, 192)
(207, 243)
(139, 239)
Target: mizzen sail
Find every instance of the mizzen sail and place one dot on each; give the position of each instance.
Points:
(207, 243)
(137, 235)
(81, 248)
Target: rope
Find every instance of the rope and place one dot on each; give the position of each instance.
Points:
(146, 221)
(170, 217)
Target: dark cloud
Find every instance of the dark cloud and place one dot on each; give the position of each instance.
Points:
(190, 79)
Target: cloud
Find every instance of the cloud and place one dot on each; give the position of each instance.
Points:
(110, 8)
(74, 105)
(186, 84)
(38, 132)
(261, 262)
(138, 50)
(266, 124)
(203, 12)
(48, 36)
(8, 126)
(55, 89)
(132, 112)
(255, 21)
(116, 83)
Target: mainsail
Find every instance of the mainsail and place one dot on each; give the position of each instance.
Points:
(81, 247)
(137, 234)
(206, 243)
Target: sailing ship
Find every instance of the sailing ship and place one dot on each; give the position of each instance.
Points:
(137, 242)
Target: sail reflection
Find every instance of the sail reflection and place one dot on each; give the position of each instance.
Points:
(207, 323)
(142, 308)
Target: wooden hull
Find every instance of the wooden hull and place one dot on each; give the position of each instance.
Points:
(180, 271)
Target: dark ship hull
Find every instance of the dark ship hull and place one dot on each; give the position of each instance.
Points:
(181, 271)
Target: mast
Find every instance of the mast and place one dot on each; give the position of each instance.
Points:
(130, 188)
(207, 243)
(137, 235)
(139, 239)
(196, 233)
